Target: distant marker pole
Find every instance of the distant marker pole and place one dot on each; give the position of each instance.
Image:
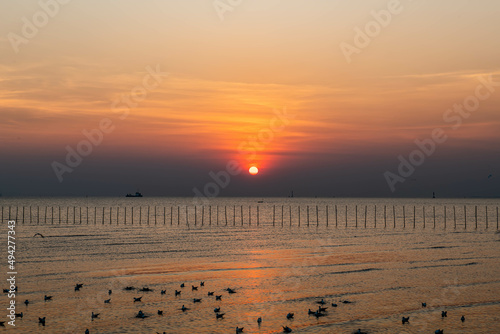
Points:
(336, 216)
(454, 218)
(241, 215)
(423, 213)
(274, 214)
(486, 210)
(225, 214)
(366, 212)
(178, 215)
(385, 217)
(282, 213)
(103, 215)
(346, 216)
(394, 215)
(317, 216)
(465, 217)
(290, 215)
(132, 215)
(476, 216)
(404, 217)
(187, 216)
(298, 210)
(326, 209)
(414, 216)
(308, 216)
(258, 216)
(217, 215)
(210, 215)
(356, 216)
(375, 214)
(249, 215)
(445, 217)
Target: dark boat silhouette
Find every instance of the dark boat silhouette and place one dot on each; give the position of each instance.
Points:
(137, 194)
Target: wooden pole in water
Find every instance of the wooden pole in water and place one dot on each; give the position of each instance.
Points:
(465, 217)
(308, 216)
(326, 209)
(132, 215)
(149, 209)
(434, 209)
(155, 215)
(423, 214)
(356, 216)
(366, 212)
(317, 216)
(140, 215)
(249, 215)
(394, 215)
(242, 215)
(225, 214)
(282, 215)
(375, 209)
(52, 215)
(234, 215)
(290, 215)
(60, 215)
(178, 215)
(31, 215)
(45, 221)
(103, 215)
(274, 214)
(217, 207)
(37, 215)
(445, 217)
(210, 215)
(486, 210)
(385, 217)
(187, 216)
(476, 217)
(346, 216)
(258, 218)
(125, 217)
(414, 216)
(497, 218)
(202, 214)
(111, 215)
(298, 210)
(404, 217)
(195, 215)
(336, 216)
(454, 218)
(164, 216)
(87, 214)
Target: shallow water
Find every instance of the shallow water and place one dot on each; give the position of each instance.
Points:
(386, 273)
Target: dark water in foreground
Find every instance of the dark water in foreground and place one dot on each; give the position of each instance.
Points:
(385, 273)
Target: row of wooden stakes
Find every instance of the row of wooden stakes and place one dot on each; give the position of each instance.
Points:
(330, 215)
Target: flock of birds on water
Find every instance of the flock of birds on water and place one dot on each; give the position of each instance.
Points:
(319, 312)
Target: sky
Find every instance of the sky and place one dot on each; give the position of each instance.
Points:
(176, 98)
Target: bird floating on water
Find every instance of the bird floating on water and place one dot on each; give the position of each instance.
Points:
(45, 298)
(230, 290)
(137, 299)
(219, 315)
(162, 292)
(184, 308)
(182, 285)
(26, 302)
(259, 320)
(110, 292)
(78, 286)
(87, 331)
(444, 314)
(217, 309)
(405, 320)
(322, 302)
(289, 316)
(41, 321)
(160, 312)
(287, 329)
(424, 304)
(438, 331)
(322, 309)
(19, 315)
(177, 292)
(462, 318)
(196, 300)
(202, 283)
(95, 315)
(334, 305)
(141, 315)
(239, 330)
(211, 293)
(218, 297)
(194, 288)
(107, 301)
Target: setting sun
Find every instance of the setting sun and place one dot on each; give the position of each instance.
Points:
(253, 170)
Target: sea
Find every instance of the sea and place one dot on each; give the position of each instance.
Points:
(370, 261)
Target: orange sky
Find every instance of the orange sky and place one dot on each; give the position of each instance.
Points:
(227, 77)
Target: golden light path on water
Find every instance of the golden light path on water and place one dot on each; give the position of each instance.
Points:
(384, 273)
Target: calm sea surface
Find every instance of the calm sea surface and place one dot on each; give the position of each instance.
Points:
(384, 272)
